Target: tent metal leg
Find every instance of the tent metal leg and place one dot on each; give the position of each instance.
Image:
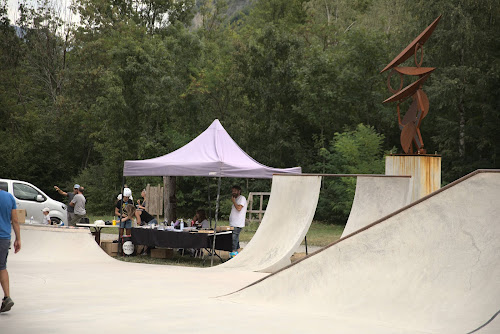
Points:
(119, 218)
(216, 217)
(209, 203)
(305, 240)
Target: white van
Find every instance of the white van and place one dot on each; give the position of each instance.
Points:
(33, 200)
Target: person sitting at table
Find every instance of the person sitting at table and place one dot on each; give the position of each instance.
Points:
(144, 217)
(121, 205)
(142, 204)
(200, 219)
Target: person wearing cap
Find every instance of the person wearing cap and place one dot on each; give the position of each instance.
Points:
(120, 212)
(71, 210)
(78, 203)
(46, 217)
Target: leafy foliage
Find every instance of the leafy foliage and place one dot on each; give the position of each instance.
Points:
(294, 82)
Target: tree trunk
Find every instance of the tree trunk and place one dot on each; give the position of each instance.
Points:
(169, 199)
(461, 133)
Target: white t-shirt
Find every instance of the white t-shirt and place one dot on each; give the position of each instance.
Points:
(46, 220)
(205, 224)
(237, 218)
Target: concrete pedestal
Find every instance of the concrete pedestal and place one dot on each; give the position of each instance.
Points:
(425, 170)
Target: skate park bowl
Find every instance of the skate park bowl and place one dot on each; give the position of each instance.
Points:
(287, 219)
(376, 197)
(291, 210)
(430, 267)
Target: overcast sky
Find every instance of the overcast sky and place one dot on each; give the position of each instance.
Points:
(62, 5)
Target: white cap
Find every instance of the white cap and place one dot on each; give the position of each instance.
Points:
(127, 192)
(45, 210)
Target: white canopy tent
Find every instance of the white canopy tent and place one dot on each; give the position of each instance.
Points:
(212, 154)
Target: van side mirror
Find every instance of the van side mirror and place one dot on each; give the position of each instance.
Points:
(40, 198)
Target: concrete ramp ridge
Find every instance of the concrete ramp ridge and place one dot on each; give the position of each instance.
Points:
(287, 219)
(432, 266)
(55, 244)
(376, 197)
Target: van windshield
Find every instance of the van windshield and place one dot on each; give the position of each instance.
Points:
(25, 192)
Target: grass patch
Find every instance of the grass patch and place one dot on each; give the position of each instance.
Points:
(319, 234)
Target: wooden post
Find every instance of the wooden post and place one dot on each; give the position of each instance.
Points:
(169, 199)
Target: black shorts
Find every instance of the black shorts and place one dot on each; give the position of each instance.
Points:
(4, 251)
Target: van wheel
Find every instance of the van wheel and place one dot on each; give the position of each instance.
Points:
(55, 221)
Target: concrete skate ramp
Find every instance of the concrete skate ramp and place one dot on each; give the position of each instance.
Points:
(56, 244)
(432, 266)
(376, 197)
(288, 217)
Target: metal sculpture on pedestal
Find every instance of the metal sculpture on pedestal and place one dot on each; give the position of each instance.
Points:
(410, 124)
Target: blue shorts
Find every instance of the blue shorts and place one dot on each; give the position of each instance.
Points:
(126, 224)
(4, 251)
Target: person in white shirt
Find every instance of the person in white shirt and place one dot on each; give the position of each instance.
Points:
(46, 217)
(237, 217)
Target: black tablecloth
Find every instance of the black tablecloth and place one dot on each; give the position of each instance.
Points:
(170, 239)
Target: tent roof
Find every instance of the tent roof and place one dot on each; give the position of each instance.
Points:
(212, 153)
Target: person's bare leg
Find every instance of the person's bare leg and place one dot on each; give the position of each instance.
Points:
(120, 233)
(129, 231)
(4, 281)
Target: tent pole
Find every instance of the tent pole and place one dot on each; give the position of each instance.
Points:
(216, 215)
(120, 218)
(209, 204)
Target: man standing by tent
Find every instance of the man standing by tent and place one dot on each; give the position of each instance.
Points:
(237, 217)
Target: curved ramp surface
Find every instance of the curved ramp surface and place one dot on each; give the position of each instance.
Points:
(287, 219)
(61, 245)
(433, 266)
(376, 197)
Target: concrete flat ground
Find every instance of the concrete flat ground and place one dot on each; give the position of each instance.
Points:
(81, 290)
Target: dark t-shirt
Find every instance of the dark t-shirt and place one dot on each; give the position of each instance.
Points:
(70, 198)
(146, 217)
(123, 204)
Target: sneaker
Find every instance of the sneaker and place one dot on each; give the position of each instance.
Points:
(233, 254)
(7, 304)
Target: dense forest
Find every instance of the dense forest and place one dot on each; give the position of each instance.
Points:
(294, 82)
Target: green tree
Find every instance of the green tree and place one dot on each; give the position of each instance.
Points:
(351, 152)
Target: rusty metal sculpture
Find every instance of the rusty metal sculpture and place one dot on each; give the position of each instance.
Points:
(410, 124)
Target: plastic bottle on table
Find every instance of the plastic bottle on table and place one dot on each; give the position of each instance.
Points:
(182, 224)
(31, 220)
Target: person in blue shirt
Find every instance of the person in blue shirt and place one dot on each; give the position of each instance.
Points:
(8, 217)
